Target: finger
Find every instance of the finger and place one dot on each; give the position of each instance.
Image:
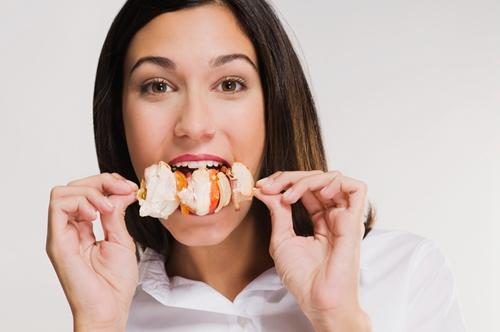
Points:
(317, 211)
(350, 196)
(118, 176)
(285, 180)
(319, 225)
(107, 184)
(354, 189)
(309, 184)
(281, 219)
(267, 179)
(97, 198)
(113, 223)
(311, 203)
(64, 209)
(85, 233)
(347, 226)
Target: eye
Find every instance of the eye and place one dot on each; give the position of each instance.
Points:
(232, 85)
(157, 86)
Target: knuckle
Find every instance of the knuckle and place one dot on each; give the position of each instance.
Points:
(301, 183)
(272, 248)
(82, 201)
(117, 175)
(336, 173)
(52, 252)
(278, 177)
(106, 176)
(54, 204)
(50, 247)
(71, 183)
(276, 174)
(362, 185)
(271, 253)
(85, 208)
(55, 192)
(92, 192)
(305, 176)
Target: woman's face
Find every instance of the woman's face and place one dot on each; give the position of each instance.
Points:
(201, 95)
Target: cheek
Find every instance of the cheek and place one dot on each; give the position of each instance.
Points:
(146, 129)
(246, 128)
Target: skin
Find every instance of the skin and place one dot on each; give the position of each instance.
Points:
(195, 115)
(195, 112)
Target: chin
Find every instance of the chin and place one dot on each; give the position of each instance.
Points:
(208, 230)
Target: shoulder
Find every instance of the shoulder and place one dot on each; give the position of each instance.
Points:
(395, 248)
(412, 277)
(379, 241)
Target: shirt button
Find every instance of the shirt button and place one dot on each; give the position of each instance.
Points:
(242, 321)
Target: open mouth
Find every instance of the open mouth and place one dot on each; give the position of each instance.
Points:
(188, 167)
(196, 187)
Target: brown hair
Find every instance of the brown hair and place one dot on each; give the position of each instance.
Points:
(293, 138)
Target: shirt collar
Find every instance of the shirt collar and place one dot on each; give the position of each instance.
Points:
(172, 290)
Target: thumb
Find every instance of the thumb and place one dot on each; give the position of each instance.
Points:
(113, 223)
(281, 218)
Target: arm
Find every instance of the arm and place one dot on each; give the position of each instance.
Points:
(432, 299)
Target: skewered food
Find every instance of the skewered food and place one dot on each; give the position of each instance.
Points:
(199, 191)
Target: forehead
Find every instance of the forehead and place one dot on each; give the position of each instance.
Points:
(199, 33)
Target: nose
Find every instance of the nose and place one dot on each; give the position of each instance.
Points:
(195, 121)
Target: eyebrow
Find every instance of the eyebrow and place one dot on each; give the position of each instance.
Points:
(169, 64)
(223, 59)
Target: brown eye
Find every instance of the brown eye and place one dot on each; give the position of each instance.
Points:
(156, 87)
(228, 85)
(231, 85)
(159, 87)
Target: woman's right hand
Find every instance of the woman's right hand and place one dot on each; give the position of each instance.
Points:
(98, 278)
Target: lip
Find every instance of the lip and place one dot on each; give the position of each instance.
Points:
(198, 157)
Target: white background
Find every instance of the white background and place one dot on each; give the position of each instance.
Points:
(409, 99)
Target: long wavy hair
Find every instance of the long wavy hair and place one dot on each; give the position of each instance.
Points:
(293, 137)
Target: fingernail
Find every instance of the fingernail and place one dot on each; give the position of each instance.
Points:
(117, 176)
(262, 181)
(325, 191)
(108, 203)
(132, 184)
(287, 194)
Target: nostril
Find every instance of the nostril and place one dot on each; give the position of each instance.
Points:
(195, 129)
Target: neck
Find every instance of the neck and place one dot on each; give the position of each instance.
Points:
(230, 265)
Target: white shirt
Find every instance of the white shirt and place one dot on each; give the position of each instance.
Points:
(406, 285)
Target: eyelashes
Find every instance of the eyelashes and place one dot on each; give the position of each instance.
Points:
(146, 87)
(228, 85)
(232, 82)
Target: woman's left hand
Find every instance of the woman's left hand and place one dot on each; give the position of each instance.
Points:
(321, 271)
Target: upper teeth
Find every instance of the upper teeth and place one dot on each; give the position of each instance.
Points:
(197, 164)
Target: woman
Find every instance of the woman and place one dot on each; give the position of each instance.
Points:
(212, 81)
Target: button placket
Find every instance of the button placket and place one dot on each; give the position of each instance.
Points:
(246, 324)
(243, 323)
